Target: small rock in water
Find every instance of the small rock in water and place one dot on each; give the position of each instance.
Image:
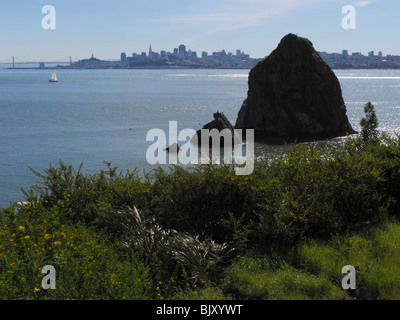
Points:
(173, 148)
(219, 123)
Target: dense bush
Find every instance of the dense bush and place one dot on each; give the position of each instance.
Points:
(308, 192)
(191, 224)
(88, 265)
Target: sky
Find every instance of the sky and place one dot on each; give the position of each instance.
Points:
(107, 28)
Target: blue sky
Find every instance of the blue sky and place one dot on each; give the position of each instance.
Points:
(107, 28)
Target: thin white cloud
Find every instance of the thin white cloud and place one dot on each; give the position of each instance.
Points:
(362, 3)
(224, 18)
(235, 17)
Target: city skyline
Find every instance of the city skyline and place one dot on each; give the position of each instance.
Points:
(328, 56)
(234, 52)
(128, 54)
(108, 28)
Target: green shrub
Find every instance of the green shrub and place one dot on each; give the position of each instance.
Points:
(88, 265)
(369, 124)
(207, 201)
(91, 199)
(322, 193)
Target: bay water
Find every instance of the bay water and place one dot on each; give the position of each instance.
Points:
(92, 116)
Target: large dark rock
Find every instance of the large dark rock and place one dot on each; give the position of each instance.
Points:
(293, 93)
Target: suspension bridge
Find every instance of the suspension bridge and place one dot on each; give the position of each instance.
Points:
(20, 63)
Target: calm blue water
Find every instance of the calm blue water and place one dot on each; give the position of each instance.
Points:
(94, 115)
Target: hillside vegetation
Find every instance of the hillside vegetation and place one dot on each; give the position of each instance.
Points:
(283, 232)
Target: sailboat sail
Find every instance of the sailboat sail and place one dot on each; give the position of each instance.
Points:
(53, 77)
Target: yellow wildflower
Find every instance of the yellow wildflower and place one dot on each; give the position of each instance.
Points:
(47, 236)
(36, 290)
(57, 243)
(21, 228)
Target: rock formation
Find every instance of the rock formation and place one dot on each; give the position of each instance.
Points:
(173, 148)
(219, 123)
(294, 94)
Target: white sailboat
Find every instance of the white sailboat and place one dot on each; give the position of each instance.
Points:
(53, 77)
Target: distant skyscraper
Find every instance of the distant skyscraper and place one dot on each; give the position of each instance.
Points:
(193, 55)
(238, 53)
(123, 57)
(151, 53)
(182, 49)
(345, 52)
